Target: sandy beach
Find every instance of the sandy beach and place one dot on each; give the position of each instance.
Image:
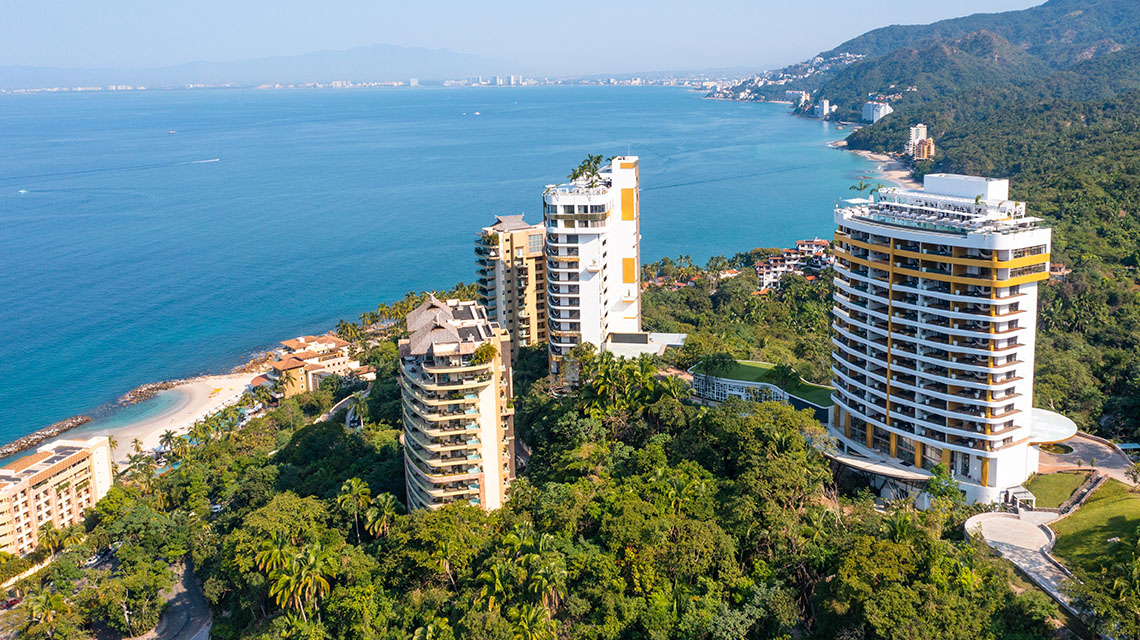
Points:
(196, 399)
(889, 169)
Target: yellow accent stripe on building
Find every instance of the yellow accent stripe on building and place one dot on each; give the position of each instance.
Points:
(628, 270)
(628, 204)
(979, 282)
(628, 165)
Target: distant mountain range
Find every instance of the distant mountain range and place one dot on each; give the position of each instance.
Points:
(375, 63)
(917, 64)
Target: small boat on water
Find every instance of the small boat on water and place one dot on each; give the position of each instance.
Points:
(172, 131)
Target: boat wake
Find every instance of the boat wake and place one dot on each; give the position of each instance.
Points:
(44, 177)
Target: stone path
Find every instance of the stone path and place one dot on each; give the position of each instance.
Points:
(1024, 542)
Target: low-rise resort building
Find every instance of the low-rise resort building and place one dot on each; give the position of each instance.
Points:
(309, 359)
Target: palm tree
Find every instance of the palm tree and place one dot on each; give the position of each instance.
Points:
(494, 589)
(317, 565)
(545, 584)
(361, 407)
(379, 517)
(901, 526)
(167, 440)
(354, 497)
(442, 557)
(861, 187)
(274, 554)
(114, 444)
(43, 608)
(718, 364)
(51, 538)
(673, 387)
(136, 445)
(783, 374)
(532, 623)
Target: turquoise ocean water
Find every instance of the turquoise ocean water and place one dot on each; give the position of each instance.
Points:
(130, 254)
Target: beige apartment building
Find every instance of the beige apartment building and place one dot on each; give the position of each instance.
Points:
(56, 484)
(309, 359)
(512, 278)
(455, 376)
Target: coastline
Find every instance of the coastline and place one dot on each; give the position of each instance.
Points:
(888, 168)
(196, 398)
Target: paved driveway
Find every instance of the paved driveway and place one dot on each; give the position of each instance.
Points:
(1085, 450)
(1024, 543)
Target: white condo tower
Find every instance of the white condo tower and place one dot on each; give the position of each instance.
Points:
(593, 257)
(935, 323)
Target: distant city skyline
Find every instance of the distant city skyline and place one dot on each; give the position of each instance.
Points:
(538, 38)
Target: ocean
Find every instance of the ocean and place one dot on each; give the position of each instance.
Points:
(163, 234)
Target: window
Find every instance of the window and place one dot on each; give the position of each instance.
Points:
(534, 243)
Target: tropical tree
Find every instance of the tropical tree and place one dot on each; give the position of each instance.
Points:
(379, 517)
(718, 364)
(45, 613)
(274, 555)
(532, 623)
(442, 559)
(783, 374)
(494, 586)
(136, 445)
(354, 497)
(546, 583)
(361, 407)
(51, 539)
(168, 440)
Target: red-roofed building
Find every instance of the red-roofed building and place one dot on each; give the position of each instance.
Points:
(309, 359)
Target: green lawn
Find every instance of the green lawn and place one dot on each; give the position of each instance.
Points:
(1052, 489)
(751, 371)
(1082, 538)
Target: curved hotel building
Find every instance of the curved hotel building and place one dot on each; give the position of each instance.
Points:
(593, 257)
(455, 378)
(934, 328)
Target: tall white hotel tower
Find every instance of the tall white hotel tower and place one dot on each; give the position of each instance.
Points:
(593, 239)
(935, 322)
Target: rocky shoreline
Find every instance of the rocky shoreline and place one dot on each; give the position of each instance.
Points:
(134, 396)
(51, 431)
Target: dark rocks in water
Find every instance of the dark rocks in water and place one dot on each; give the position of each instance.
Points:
(51, 431)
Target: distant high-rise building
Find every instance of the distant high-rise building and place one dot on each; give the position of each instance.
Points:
(455, 378)
(497, 81)
(917, 133)
(475, 80)
(593, 246)
(924, 149)
(823, 109)
(934, 332)
(511, 261)
(874, 111)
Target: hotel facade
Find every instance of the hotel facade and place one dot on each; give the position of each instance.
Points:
(511, 260)
(56, 484)
(593, 257)
(934, 332)
(455, 378)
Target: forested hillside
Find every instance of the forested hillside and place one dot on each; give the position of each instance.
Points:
(1059, 32)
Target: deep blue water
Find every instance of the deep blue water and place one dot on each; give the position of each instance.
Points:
(124, 259)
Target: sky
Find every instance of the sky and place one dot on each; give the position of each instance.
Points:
(548, 37)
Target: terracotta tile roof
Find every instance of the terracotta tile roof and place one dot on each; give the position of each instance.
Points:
(287, 364)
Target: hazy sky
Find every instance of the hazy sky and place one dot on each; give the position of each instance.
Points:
(549, 37)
